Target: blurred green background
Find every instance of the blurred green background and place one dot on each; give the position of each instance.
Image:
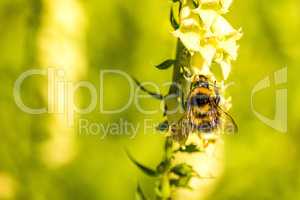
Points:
(42, 158)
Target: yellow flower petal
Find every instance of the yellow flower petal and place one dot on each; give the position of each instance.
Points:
(217, 5)
(225, 4)
(185, 12)
(230, 47)
(191, 40)
(207, 16)
(221, 27)
(226, 68)
(208, 53)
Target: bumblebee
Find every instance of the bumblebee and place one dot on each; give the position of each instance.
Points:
(203, 113)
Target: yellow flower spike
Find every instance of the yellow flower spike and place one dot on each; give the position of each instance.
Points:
(204, 31)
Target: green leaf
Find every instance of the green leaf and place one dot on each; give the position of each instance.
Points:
(140, 194)
(196, 3)
(148, 171)
(173, 21)
(153, 94)
(192, 148)
(168, 143)
(168, 148)
(181, 182)
(166, 64)
(183, 170)
(163, 166)
(165, 187)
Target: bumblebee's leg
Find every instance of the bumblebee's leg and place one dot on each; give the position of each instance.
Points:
(153, 94)
(217, 99)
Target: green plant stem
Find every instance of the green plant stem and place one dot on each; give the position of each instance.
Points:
(199, 161)
(182, 59)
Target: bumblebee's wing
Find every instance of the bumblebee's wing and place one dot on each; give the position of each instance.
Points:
(227, 123)
(180, 130)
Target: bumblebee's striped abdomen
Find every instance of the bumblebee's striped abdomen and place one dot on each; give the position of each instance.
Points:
(203, 114)
(204, 121)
